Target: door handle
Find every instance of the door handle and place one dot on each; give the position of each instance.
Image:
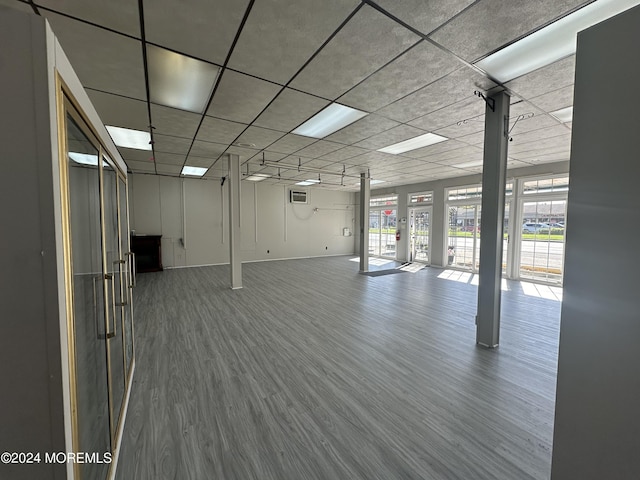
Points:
(132, 268)
(109, 276)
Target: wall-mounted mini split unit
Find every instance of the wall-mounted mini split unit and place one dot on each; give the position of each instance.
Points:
(298, 196)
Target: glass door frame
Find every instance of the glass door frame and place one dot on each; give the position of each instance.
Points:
(67, 104)
(411, 212)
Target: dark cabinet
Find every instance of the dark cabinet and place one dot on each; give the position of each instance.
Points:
(148, 252)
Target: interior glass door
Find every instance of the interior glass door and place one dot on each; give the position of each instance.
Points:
(420, 219)
(89, 326)
(374, 232)
(113, 267)
(126, 271)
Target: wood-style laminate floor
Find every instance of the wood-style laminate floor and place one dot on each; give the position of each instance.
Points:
(313, 371)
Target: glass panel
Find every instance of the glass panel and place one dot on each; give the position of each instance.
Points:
(505, 236)
(113, 268)
(127, 310)
(542, 246)
(417, 198)
(420, 220)
(374, 232)
(547, 185)
(463, 236)
(388, 233)
(88, 299)
(382, 201)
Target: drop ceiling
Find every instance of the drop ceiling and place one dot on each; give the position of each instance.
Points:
(273, 64)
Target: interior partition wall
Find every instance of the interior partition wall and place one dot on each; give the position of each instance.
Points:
(67, 322)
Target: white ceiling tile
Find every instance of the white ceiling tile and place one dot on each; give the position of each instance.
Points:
(167, 169)
(171, 144)
(552, 77)
(144, 167)
(363, 45)
(194, 27)
(170, 158)
(102, 60)
(490, 24)
(241, 98)
(136, 155)
(455, 87)
(119, 15)
(344, 153)
(290, 109)
(120, 111)
(319, 148)
(389, 137)
(22, 7)
(424, 16)
(260, 137)
(207, 149)
(171, 121)
(419, 66)
(195, 161)
(470, 109)
(220, 131)
(278, 38)
(363, 128)
(291, 143)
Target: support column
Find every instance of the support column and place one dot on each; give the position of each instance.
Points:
(234, 221)
(496, 138)
(365, 197)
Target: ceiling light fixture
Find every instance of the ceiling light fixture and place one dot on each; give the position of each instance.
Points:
(257, 177)
(128, 138)
(564, 114)
(413, 143)
(193, 171)
(179, 81)
(551, 43)
(306, 183)
(329, 120)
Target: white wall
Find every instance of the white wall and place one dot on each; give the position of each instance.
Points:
(194, 212)
(597, 425)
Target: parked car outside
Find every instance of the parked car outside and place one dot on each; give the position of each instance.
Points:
(534, 227)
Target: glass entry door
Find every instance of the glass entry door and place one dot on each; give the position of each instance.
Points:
(419, 224)
(382, 232)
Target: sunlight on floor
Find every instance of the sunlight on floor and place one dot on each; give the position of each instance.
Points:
(373, 261)
(542, 291)
(412, 267)
(467, 277)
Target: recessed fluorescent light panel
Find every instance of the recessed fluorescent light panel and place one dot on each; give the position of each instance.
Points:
(178, 81)
(307, 182)
(125, 137)
(551, 43)
(372, 182)
(413, 143)
(257, 177)
(84, 158)
(329, 120)
(193, 171)
(564, 114)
